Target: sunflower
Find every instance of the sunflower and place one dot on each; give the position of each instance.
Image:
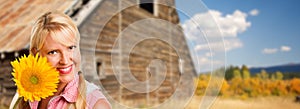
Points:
(35, 77)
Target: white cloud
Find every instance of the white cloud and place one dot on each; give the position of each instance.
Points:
(230, 25)
(269, 50)
(254, 12)
(233, 43)
(211, 34)
(275, 50)
(204, 60)
(285, 48)
(202, 29)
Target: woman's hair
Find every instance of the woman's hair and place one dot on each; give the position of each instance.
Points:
(50, 24)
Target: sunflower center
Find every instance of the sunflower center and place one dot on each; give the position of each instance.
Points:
(34, 80)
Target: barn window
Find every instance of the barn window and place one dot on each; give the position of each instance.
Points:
(148, 5)
(98, 67)
(100, 70)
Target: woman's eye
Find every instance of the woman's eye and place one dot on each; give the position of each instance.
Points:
(72, 47)
(52, 52)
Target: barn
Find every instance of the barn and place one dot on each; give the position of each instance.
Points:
(135, 50)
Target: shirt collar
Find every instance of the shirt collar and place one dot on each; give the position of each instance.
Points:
(69, 94)
(71, 90)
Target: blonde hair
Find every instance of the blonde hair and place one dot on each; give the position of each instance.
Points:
(50, 24)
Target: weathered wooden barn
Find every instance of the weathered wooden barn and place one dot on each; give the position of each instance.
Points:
(119, 38)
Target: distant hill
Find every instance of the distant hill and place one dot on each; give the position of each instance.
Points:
(287, 68)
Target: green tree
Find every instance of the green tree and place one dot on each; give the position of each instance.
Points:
(245, 72)
(278, 75)
(236, 73)
(229, 73)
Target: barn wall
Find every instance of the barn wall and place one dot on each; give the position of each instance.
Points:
(166, 42)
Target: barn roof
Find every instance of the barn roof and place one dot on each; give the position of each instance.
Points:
(17, 18)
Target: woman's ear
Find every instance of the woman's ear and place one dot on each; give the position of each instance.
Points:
(34, 51)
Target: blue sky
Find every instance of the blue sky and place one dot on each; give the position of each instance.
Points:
(266, 34)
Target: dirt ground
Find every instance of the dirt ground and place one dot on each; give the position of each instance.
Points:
(250, 103)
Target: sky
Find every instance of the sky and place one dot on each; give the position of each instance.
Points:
(256, 33)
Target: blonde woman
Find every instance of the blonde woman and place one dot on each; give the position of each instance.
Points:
(56, 37)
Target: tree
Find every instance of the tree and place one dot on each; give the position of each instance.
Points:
(278, 75)
(245, 72)
(258, 75)
(236, 73)
(202, 83)
(229, 73)
(224, 88)
(295, 85)
(264, 75)
(273, 77)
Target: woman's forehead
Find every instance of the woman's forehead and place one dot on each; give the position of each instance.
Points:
(51, 42)
(64, 37)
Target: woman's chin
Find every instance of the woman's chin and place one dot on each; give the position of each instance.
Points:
(66, 78)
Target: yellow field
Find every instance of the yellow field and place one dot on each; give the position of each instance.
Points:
(250, 103)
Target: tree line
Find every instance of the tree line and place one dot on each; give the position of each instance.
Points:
(238, 82)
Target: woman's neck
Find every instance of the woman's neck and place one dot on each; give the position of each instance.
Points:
(60, 88)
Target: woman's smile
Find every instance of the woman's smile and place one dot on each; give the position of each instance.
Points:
(65, 70)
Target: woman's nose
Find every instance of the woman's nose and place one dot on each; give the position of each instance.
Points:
(65, 58)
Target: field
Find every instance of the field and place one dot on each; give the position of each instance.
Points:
(250, 103)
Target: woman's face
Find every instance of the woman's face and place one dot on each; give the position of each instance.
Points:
(65, 58)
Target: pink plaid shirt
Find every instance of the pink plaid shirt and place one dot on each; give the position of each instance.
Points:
(70, 95)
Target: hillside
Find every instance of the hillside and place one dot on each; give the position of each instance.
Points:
(286, 68)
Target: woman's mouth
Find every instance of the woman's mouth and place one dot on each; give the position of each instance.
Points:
(65, 70)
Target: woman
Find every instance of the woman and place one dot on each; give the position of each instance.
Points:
(56, 37)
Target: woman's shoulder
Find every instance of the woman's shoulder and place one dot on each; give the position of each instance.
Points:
(90, 87)
(93, 90)
(93, 94)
